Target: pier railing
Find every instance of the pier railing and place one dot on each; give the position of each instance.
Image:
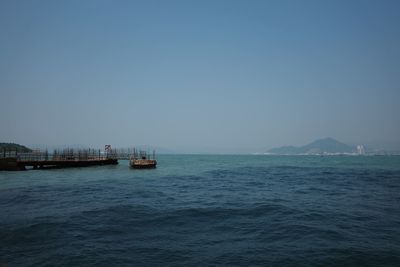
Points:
(60, 155)
(70, 154)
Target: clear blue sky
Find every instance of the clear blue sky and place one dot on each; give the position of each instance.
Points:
(199, 76)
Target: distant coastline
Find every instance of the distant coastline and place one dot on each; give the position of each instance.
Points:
(327, 147)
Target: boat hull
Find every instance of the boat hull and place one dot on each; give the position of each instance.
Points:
(143, 164)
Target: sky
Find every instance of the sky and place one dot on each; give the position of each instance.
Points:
(199, 76)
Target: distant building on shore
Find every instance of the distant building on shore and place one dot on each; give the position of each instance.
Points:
(360, 150)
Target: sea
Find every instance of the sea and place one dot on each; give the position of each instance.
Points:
(205, 210)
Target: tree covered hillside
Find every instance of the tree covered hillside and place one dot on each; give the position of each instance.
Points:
(14, 147)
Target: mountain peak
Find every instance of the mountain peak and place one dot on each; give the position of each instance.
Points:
(320, 146)
(327, 139)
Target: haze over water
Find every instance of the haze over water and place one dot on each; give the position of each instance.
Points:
(223, 77)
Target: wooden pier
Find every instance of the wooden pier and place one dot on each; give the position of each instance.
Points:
(66, 158)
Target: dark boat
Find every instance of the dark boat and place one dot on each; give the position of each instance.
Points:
(142, 160)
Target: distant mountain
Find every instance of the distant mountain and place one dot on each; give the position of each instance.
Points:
(14, 147)
(321, 146)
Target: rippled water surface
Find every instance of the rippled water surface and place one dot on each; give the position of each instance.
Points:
(205, 210)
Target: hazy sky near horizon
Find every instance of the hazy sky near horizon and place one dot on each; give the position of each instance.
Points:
(199, 76)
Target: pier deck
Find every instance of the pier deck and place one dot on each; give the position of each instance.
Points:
(56, 160)
(43, 164)
(11, 164)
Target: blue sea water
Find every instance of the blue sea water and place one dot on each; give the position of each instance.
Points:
(205, 210)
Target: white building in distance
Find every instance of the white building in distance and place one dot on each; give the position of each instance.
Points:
(360, 150)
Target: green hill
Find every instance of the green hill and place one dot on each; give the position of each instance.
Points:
(14, 147)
